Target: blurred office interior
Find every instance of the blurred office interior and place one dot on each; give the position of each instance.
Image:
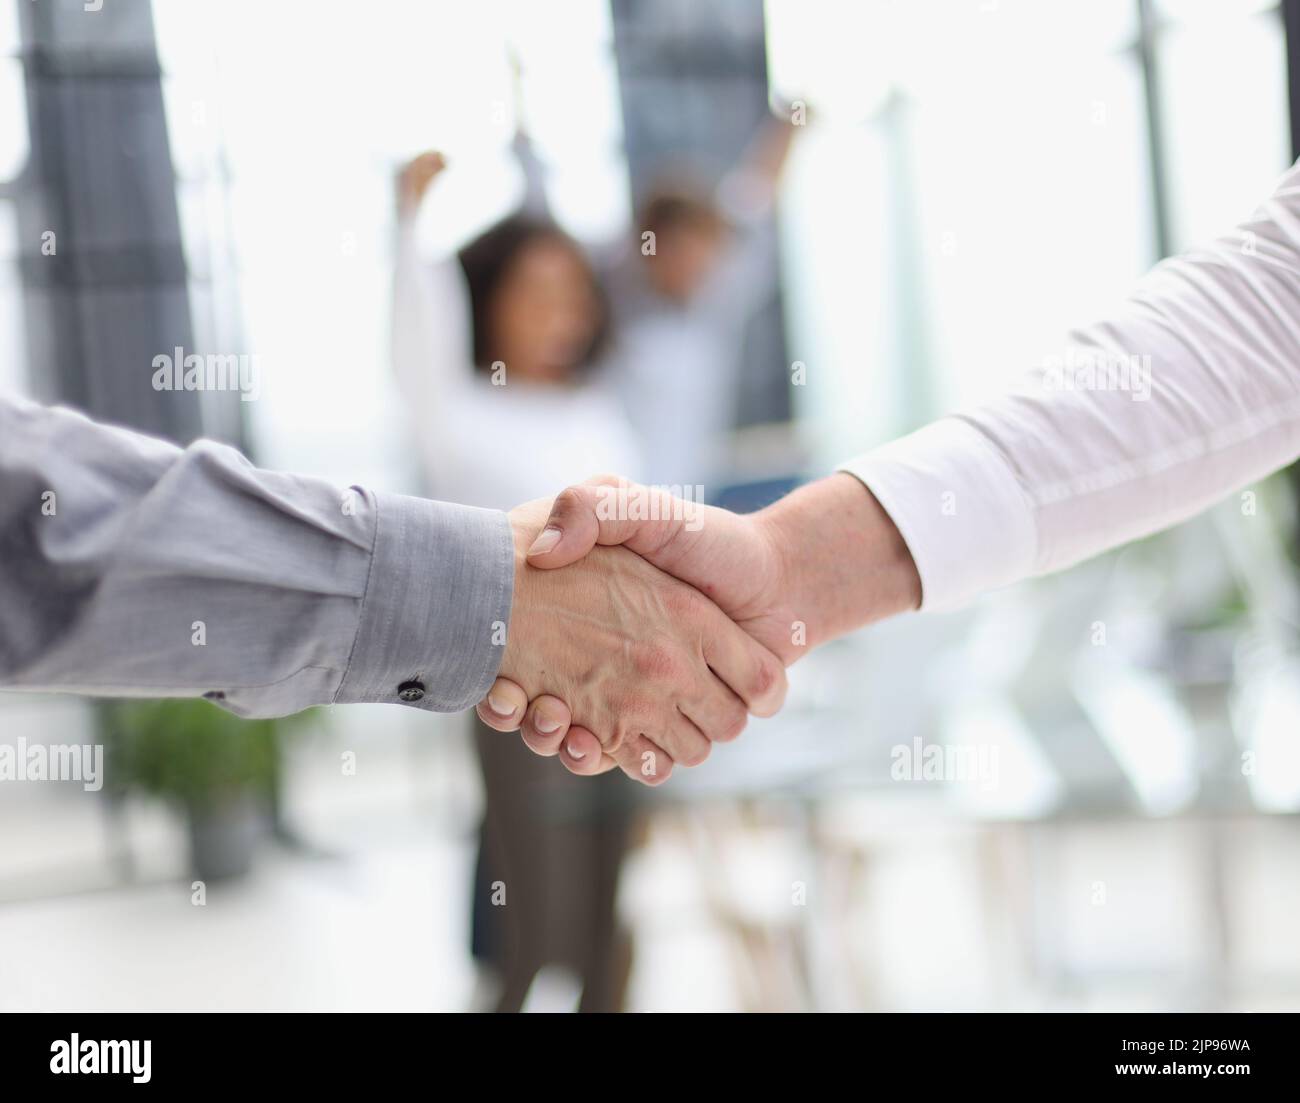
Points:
(974, 177)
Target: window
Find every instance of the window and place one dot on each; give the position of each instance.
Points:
(984, 181)
(288, 122)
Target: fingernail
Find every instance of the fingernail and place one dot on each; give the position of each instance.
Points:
(498, 708)
(546, 541)
(545, 726)
(574, 754)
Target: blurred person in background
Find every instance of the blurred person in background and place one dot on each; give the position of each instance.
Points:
(495, 353)
(700, 266)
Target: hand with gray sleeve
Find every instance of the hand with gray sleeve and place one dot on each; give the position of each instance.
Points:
(131, 567)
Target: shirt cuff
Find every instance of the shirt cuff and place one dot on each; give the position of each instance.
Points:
(959, 508)
(437, 606)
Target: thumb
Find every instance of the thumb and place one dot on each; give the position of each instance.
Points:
(600, 511)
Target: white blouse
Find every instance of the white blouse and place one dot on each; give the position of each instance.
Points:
(484, 444)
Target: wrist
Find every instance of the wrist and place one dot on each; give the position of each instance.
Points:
(841, 560)
(525, 525)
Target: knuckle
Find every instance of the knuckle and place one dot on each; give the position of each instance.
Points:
(731, 724)
(657, 661)
(567, 502)
(653, 768)
(697, 753)
(643, 760)
(768, 678)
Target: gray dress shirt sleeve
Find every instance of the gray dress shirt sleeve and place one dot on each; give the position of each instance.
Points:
(129, 567)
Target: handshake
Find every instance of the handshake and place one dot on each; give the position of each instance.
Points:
(644, 628)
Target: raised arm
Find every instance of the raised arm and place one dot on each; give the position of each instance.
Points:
(746, 275)
(431, 344)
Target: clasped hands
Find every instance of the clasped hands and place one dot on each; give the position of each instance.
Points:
(644, 629)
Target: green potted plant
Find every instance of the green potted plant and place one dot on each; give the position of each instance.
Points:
(219, 769)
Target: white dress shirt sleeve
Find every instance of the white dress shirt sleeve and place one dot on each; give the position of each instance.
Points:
(1188, 391)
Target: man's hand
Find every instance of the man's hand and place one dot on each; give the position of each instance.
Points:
(644, 661)
(819, 563)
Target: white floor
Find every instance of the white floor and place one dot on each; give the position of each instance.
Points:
(905, 909)
(381, 932)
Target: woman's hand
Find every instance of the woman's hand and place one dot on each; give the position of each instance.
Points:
(415, 177)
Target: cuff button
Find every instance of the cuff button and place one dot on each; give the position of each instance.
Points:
(411, 691)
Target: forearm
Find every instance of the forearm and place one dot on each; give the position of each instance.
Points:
(843, 562)
(769, 150)
(129, 567)
(432, 351)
